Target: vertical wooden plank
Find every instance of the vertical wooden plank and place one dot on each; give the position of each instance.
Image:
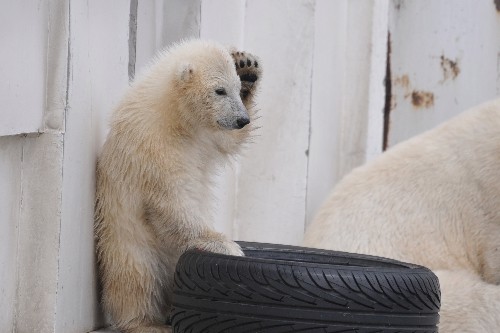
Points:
(23, 65)
(163, 22)
(132, 38)
(222, 21)
(377, 78)
(99, 77)
(39, 231)
(444, 59)
(354, 113)
(10, 205)
(348, 92)
(326, 100)
(180, 19)
(35, 66)
(57, 66)
(272, 185)
(147, 35)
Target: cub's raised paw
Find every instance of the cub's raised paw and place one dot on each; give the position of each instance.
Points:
(249, 71)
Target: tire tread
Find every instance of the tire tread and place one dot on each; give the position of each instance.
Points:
(371, 293)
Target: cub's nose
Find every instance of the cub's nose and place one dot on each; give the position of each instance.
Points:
(242, 122)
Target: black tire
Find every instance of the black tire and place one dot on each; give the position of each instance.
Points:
(278, 288)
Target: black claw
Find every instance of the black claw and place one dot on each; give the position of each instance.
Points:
(256, 64)
(242, 63)
(236, 65)
(249, 63)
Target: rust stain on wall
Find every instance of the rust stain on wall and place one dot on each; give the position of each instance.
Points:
(403, 81)
(450, 68)
(419, 98)
(422, 99)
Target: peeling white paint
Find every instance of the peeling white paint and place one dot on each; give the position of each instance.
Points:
(426, 32)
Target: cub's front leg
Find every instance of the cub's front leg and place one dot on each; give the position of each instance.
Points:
(216, 242)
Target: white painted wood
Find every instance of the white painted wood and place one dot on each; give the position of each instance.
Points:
(272, 184)
(99, 78)
(57, 66)
(163, 22)
(355, 109)
(223, 21)
(427, 36)
(39, 225)
(34, 69)
(347, 93)
(11, 153)
(33, 90)
(149, 19)
(377, 76)
(23, 67)
(327, 100)
(31, 175)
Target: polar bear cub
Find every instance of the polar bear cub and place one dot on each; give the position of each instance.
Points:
(433, 200)
(191, 111)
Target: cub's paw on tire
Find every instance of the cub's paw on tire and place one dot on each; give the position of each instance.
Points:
(279, 288)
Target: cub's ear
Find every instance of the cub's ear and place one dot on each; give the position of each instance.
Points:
(186, 72)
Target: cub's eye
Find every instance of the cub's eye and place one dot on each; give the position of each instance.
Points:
(220, 91)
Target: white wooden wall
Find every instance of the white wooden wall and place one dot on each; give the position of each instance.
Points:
(65, 64)
(444, 58)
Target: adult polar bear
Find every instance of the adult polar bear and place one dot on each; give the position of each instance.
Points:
(433, 200)
(179, 121)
